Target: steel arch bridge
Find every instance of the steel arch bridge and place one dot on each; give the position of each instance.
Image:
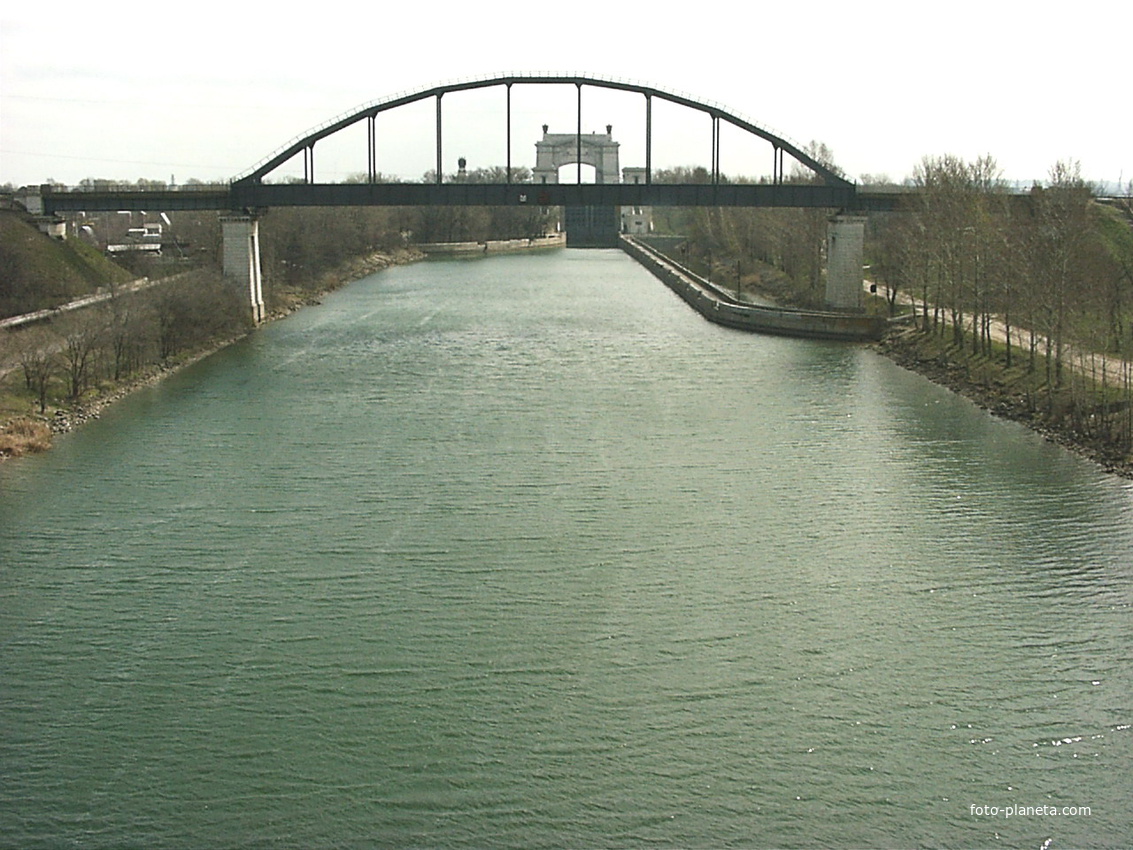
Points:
(254, 189)
(248, 194)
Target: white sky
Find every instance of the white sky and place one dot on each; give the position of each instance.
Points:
(207, 90)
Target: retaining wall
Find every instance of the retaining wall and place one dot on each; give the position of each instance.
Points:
(720, 306)
(493, 246)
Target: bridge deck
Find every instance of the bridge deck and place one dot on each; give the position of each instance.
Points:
(250, 195)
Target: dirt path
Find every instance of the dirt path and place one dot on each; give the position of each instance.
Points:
(1098, 364)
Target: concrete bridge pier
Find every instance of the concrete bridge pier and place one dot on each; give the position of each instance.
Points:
(845, 247)
(241, 258)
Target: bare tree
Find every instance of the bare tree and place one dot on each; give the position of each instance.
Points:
(35, 351)
(80, 336)
(1061, 231)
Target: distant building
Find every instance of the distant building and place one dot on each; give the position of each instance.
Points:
(636, 221)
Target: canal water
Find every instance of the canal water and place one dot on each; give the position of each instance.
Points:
(522, 552)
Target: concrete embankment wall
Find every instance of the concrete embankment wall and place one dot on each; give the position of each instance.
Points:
(493, 246)
(719, 306)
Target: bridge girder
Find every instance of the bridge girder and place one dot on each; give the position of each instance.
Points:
(250, 196)
(104, 200)
(542, 195)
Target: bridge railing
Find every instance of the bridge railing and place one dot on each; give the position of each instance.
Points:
(126, 188)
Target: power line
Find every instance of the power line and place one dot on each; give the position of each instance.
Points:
(94, 159)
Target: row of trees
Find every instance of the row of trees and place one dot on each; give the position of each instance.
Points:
(748, 243)
(67, 357)
(1043, 281)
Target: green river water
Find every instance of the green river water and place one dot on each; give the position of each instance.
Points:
(522, 552)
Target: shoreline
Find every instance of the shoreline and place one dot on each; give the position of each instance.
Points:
(492, 246)
(999, 401)
(63, 420)
(897, 347)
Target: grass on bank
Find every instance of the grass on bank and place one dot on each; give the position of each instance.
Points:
(24, 436)
(41, 272)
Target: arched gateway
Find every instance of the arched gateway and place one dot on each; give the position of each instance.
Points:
(587, 226)
(598, 150)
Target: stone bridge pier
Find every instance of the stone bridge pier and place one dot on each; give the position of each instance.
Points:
(845, 250)
(240, 235)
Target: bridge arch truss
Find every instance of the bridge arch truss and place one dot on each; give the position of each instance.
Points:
(828, 189)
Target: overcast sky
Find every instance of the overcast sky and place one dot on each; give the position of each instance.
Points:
(206, 90)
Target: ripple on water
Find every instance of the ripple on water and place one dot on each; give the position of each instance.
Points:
(524, 552)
